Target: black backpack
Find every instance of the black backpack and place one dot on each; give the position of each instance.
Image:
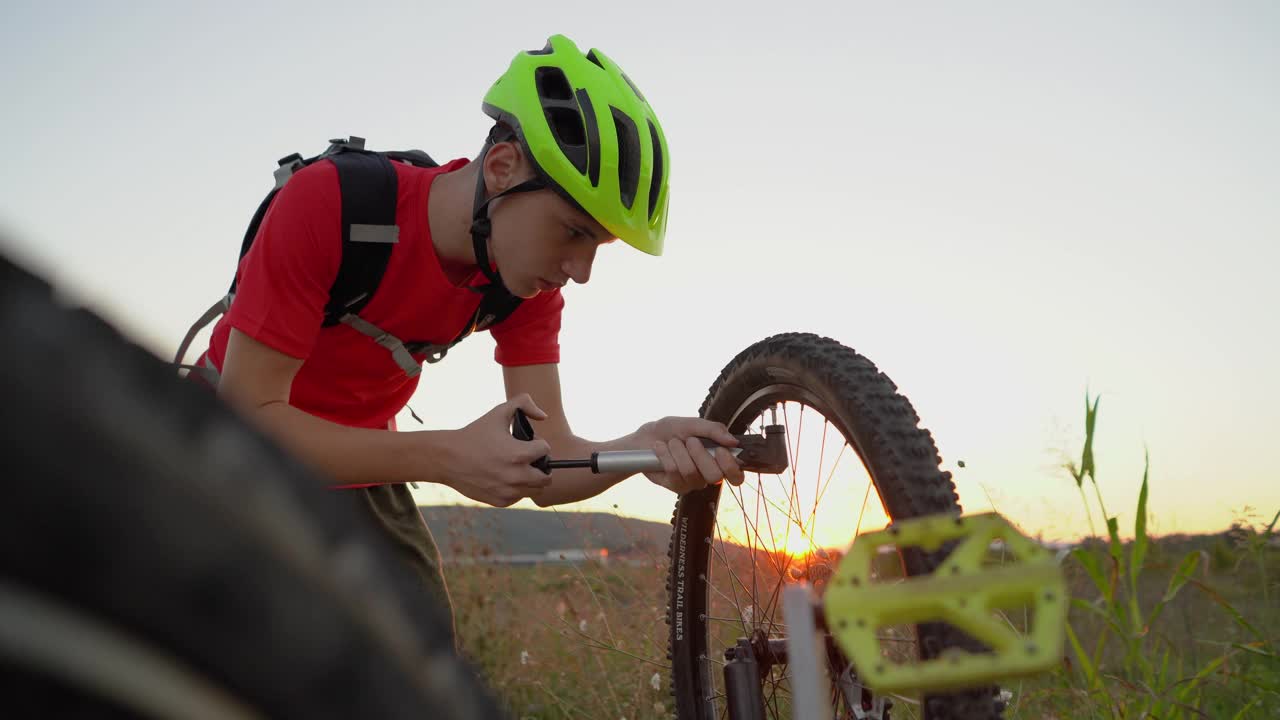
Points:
(369, 191)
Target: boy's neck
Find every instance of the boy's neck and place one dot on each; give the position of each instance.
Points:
(449, 208)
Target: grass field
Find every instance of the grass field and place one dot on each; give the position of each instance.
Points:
(1172, 627)
(590, 642)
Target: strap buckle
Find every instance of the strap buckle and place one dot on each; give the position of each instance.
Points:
(288, 166)
(350, 143)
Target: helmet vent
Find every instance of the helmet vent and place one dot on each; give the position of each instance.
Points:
(546, 50)
(628, 156)
(593, 136)
(566, 126)
(592, 57)
(552, 84)
(655, 183)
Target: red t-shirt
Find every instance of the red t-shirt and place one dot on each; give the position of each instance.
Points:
(347, 378)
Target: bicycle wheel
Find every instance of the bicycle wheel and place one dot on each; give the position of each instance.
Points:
(849, 434)
(160, 559)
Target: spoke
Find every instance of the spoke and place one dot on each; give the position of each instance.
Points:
(764, 616)
(793, 497)
(822, 456)
(786, 424)
(728, 566)
(826, 483)
(904, 699)
(754, 580)
(724, 707)
(724, 559)
(866, 496)
(782, 570)
(775, 594)
(773, 539)
(737, 604)
(795, 461)
(795, 476)
(907, 641)
(793, 519)
(773, 697)
(755, 527)
(782, 510)
(751, 544)
(858, 528)
(773, 701)
(793, 511)
(731, 620)
(718, 591)
(755, 584)
(821, 486)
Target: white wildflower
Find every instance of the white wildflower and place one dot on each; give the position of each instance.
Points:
(656, 681)
(524, 657)
(1005, 696)
(582, 625)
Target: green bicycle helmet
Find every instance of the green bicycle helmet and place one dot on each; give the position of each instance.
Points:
(591, 135)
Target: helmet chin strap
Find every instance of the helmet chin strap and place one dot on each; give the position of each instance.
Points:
(481, 228)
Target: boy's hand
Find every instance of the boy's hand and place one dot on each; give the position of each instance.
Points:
(687, 465)
(485, 463)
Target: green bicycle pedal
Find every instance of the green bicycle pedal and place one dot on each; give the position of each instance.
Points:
(966, 591)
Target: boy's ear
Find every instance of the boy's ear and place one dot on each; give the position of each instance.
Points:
(504, 167)
(498, 167)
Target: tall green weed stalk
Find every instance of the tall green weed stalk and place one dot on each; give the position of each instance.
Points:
(1133, 669)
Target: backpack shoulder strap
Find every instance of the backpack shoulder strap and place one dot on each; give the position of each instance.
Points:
(369, 190)
(496, 305)
(250, 233)
(286, 167)
(369, 232)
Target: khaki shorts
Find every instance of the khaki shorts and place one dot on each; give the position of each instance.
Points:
(394, 510)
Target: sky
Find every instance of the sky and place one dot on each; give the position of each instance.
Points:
(1004, 205)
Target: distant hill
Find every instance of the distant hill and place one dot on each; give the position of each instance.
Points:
(468, 531)
(477, 531)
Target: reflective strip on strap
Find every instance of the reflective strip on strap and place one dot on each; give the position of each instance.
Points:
(209, 372)
(361, 232)
(398, 351)
(218, 308)
(206, 371)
